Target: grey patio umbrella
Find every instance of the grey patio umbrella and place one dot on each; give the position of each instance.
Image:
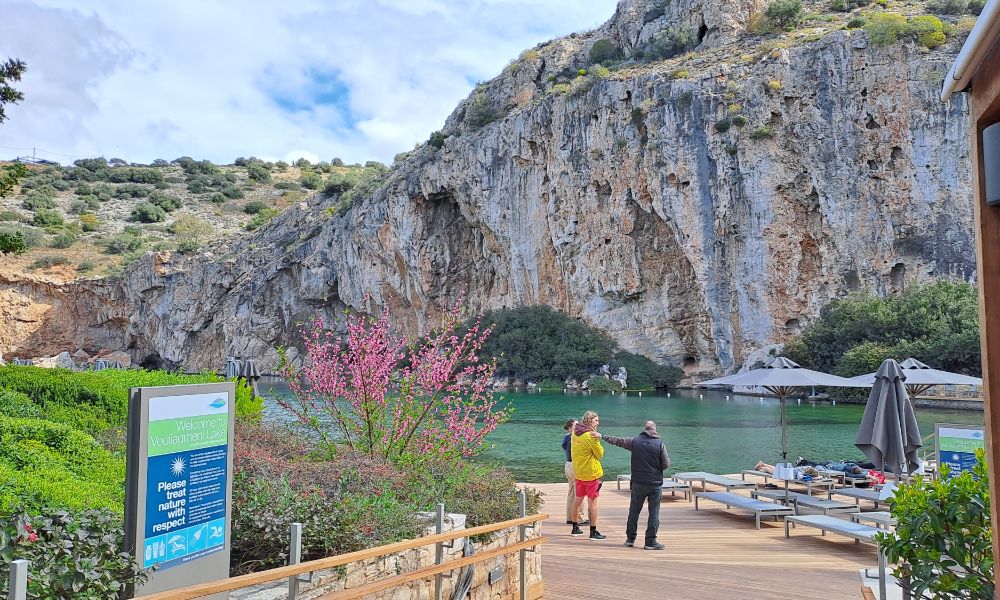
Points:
(889, 435)
(249, 371)
(920, 377)
(782, 377)
(232, 368)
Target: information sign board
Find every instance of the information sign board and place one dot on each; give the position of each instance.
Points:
(956, 446)
(179, 477)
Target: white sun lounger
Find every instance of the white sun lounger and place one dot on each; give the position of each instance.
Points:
(725, 482)
(860, 533)
(805, 501)
(755, 473)
(758, 507)
(858, 494)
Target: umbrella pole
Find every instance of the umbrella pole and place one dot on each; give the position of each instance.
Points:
(784, 433)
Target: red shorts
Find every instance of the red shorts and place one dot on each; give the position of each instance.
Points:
(588, 489)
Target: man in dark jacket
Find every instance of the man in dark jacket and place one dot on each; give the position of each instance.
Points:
(649, 460)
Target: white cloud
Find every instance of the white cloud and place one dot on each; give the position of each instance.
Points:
(358, 79)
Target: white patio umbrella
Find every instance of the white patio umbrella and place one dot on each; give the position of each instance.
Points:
(782, 377)
(920, 378)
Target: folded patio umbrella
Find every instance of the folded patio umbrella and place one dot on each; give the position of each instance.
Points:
(889, 435)
(100, 364)
(782, 377)
(232, 368)
(249, 371)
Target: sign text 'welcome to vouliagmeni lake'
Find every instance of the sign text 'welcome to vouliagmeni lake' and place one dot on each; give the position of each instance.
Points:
(186, 478)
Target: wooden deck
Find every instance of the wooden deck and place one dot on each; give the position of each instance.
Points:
(712, 554)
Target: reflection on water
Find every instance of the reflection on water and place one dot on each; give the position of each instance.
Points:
(711, 433)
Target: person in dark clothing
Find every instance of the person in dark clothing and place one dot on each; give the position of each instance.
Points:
(649, 460)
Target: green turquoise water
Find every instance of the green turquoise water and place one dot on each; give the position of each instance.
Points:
(702, 434)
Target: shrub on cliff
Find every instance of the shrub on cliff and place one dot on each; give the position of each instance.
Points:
(948, 7)
(936, 323)
(12, 243)
(480, 112)
(784, 14)
(147, 212)
(604, 52)
(675, 40)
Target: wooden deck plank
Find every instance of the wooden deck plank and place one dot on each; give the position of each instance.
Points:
(711, 554)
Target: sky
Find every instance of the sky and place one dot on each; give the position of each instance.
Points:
(355, 79)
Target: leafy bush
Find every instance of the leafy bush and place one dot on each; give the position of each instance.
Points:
(123, 243)
(47, 464)
(47, 218)
(437, 139)
(936, 323)
(366, 183)
(311, 180)
(948, 7)
(64, 240)
(848, 5)
(72, 554)
(130, 190)
(928, 31)
(12, 243)
(723, 125)
(675, 40)
(976, 6)
(339, 183)
(602, 385)
(49, 260)
(165, 201)
(739, 120)
(254, 206)
(37, 201)
(604, 52)
(191, 232)
(942, 541)
(644, 374)
(262, 218)
(480, 112)
(232, 192)
(762, 133)
(856, 23)
(147, 212)
(258, 172)
(9, 215)
(784, 14)
(885, 28)
(135, 175)
(89, 222)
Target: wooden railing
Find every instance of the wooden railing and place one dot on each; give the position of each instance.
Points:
(235, 583)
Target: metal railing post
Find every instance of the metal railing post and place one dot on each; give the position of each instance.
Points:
(523, 535)
(294, 558)
(439, 552)
(18, 580)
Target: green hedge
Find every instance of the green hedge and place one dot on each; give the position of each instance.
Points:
(45, 464)
(98, 400)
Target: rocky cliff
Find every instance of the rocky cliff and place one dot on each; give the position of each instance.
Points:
(695, 208)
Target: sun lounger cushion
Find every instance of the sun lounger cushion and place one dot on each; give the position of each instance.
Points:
(857, 531)
(807, 501)
(758, 507)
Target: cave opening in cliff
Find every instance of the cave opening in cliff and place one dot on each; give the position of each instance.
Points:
(690, 362)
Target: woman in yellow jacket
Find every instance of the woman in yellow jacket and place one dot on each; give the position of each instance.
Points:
(587, 451)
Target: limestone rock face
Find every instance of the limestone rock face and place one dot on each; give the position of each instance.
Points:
(639, 203)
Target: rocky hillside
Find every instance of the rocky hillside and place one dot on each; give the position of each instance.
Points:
(694, 188)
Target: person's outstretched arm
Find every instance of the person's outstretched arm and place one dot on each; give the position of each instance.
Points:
(621, 442)
(664, 458)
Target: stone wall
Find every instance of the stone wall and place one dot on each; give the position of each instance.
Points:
(380, 568)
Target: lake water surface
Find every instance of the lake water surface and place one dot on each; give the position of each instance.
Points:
(709, 433)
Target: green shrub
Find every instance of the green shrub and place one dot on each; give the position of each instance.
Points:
(254, 206)
(680, 74)
(848, 5)
(64, 240)
(856, 23)
(602, 385)
(675, 40)
(784, 14)
(36, 201)
(885, 28)
(287, 185)
(197, 186)
(52, 465)
(47, 218)
(49, 260)
(135, 175)
(762, 133)
(165, 201)
(976, 6)
(123, 243)
(480, 112)
(311, 180)
(232, 192)
(604, 52)
(130, 190)
(948, 7)
(928, 31)
(12, 243)
(75, 554)
(86, 266)
(9, 215)
(147, 212)
(259, 173)
(340, 183)
(739, 120)
(217, 198)
(723, 125)
(191, 232)
(366, 183)
(942, 540)
(437, 139)
(89, 222)
(262, 218)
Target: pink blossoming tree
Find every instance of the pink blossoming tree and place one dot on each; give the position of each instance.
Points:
(376, 393)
